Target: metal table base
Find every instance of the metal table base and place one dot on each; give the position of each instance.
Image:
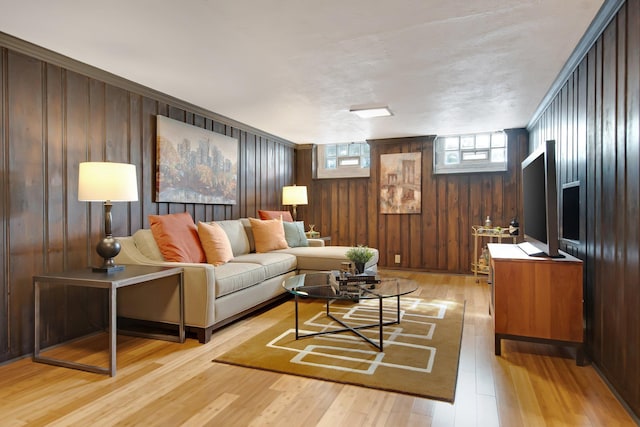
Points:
(354, 329)
(131, 275)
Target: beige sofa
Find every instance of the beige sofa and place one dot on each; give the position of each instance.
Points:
(215, 296)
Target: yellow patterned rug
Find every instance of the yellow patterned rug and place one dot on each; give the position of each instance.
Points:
(420, 354)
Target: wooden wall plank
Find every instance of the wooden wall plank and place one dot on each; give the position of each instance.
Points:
(87, 137)
(597, 197)
(619, 178)
(303, 176)
(135, 137)
(25, 186)
(252, 176)
(55, 207)
(464, 246)
(608, 189)
(117, 149)
(452, 218)
(631, 206)
(373, 222)
(4, 163)
(55, 169)
(147, 169)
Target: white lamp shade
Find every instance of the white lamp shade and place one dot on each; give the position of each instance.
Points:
(294, 195)
(102, 181)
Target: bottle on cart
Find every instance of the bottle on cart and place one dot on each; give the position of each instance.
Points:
(485, 256)
(487, 222)
(514, 227)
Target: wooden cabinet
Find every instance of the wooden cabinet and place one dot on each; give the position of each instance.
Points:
(536, 299)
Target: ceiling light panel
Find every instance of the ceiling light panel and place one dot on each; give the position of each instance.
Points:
(367, 113)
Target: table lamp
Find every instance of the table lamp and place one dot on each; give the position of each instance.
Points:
(294, 195)
(107, 182)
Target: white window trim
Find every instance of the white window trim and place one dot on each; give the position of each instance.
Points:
(355, 171)
(469, 166)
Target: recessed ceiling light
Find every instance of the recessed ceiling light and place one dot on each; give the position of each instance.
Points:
(367, 113)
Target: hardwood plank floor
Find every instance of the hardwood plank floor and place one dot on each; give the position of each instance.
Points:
(168, 384)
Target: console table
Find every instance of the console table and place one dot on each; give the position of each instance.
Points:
(131, 275)
(536, 299)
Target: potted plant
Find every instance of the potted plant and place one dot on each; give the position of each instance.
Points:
(359, 255)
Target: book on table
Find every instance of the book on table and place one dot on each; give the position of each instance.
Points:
(352, 285)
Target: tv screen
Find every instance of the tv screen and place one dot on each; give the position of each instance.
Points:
(540, 202)
(571, 211)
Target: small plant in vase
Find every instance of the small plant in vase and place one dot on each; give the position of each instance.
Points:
(359, 255)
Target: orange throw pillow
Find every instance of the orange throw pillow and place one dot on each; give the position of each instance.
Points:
(284, 215)
(177, 237)
(268, 235)
(215, 243)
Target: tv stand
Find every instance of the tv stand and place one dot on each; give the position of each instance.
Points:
(536, 299)
(530, 249)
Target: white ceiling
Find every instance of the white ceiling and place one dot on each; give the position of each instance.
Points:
(294, 68)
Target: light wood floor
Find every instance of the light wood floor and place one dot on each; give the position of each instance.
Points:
(168, 384)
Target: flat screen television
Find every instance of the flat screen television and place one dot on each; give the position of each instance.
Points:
(570, 229)
(540, 202)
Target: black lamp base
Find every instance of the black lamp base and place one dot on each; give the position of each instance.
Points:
(108, 270)
(108, 248)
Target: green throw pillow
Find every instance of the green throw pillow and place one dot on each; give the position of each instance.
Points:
(294, 234)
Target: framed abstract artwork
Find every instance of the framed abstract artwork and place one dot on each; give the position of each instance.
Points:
(400, 183)
(195, 165)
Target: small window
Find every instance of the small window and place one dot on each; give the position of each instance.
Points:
(349, 161)
(483, 152)
(343, 160)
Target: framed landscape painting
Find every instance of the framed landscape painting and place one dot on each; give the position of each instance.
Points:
(195, 165)
(400, 183)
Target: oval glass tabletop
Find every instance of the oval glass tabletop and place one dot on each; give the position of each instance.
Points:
(325, 285)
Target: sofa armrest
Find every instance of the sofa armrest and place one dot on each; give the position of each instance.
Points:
(199, 284)
(129, 254)
(316, 243)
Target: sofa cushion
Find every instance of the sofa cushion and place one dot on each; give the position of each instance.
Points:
(274, 263)
(249, 232)
(268, 234)
(146, 244)
(177, 237)
(285, 216)
(237, 236)
(294, 234)
(235, 276)
(215, 243)
(324, 258)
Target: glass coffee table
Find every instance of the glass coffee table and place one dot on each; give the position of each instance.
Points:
(325, 286)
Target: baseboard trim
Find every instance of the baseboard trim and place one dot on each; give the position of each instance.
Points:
(624, 404)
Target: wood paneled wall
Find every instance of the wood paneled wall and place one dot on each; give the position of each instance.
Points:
(439, 238)
(52, 119)
(595, 122)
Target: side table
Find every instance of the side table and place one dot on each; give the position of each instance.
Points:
(131, 275)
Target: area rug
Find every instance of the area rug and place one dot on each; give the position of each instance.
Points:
(420, 356)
